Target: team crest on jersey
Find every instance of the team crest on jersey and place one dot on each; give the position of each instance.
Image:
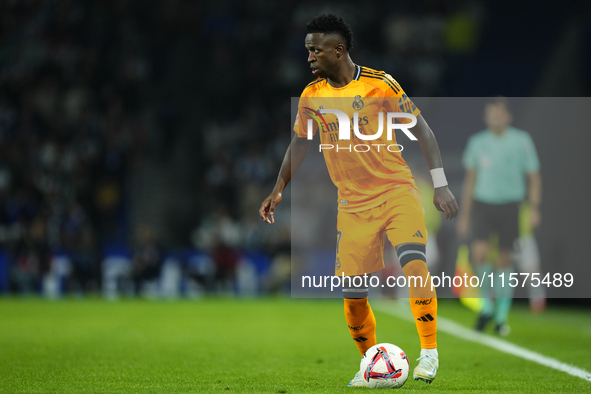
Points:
(358, 103)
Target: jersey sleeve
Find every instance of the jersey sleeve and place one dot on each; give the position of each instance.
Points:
(298, 124)
(396, 100)
(305, 112)
(531, 161)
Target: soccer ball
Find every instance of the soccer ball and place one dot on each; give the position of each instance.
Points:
(385, 366)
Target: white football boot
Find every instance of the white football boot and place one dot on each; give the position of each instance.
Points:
(427, 368)
(358, 380)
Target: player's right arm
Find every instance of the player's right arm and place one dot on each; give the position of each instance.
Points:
(467, 201)
(294, 156)
(470, 160)
(534, 181)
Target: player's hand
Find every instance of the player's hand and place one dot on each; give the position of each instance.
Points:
(267, 209)
(535, 218)
(445, 201)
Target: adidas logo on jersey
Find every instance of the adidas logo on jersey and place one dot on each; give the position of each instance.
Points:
(426, 318)
(418, 234)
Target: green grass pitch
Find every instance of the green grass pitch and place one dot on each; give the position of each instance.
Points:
(258, 346)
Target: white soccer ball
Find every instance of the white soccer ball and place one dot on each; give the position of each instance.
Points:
(385, 366)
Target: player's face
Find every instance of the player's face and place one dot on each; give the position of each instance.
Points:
(322, 53)
(497, 117)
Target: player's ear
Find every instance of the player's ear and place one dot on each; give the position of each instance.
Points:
(339, 50)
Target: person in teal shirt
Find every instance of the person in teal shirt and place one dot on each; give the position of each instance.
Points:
(502, 170)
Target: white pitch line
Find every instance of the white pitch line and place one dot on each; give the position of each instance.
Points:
(456, 330)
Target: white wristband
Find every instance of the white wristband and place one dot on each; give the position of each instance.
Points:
(438, 177)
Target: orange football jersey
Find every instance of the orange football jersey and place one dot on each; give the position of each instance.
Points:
(366, 172)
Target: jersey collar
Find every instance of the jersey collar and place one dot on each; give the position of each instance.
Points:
(357, 73)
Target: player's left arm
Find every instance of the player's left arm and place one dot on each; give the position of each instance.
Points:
(443, 199)
(534, 179)
(534, 197)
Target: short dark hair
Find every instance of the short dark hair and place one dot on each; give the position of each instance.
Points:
(499, 100)
(331, 24)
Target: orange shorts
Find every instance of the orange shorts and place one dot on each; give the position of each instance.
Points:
(361, 235)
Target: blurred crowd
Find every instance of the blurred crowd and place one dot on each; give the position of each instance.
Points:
(72, 80)
(71, 76)
(79, 79)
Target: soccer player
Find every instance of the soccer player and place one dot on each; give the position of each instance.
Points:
(377, 195)
(502, 167)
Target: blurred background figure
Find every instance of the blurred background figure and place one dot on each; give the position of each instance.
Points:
(278, 280)
(146, 261)
(526, 258)
(79, 243)
(32, 259)
(502, 169)
(220, 235)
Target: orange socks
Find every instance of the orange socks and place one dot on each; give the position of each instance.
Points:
(423, 303)
(361, 322)
(424, 311)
